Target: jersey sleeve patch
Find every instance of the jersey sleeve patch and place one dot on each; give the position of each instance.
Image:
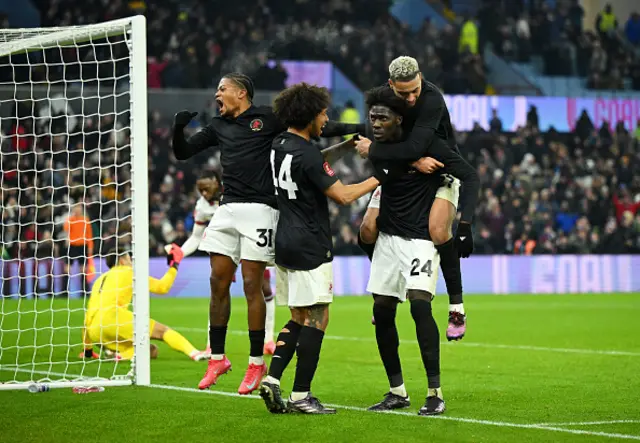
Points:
(327, 168)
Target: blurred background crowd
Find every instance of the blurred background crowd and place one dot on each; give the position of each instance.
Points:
(542, 192)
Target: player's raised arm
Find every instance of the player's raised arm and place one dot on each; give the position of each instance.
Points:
(163, 285)
(191, 245)
(336, 129)
(185, 149)
(336, 152)
(347, 194)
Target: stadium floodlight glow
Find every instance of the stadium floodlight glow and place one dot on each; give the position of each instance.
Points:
(73, 102)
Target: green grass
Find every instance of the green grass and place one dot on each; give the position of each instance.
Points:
(526, 360)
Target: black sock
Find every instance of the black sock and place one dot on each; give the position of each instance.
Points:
(217, 338)
(450, 265)
(308, 351)
(256, 340)
(388, 342)
(428, 339)
(284, 352)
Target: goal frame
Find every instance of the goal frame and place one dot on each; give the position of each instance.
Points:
(135, 26)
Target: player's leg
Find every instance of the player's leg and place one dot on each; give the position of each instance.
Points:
(429, 343)
(175, 340)
(308, 352)
(270, 319)
(256, 224)
(386, 278)
(420, 265)
(287, 342)
(441, 217)
(222, 241)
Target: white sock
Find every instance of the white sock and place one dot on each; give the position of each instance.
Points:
(399, 390)
(435, 392)
(259, 361)
(457, 308)
(217, 356)
(295, 396)
(273, 380)
(270, 320)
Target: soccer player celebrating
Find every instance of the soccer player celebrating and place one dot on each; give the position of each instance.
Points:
(243, 226)
(428, 120)
(303, 244)
(210, 187)
(108, 321)
(405, 260)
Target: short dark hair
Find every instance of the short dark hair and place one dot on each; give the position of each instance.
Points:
(242, 81)
(114, 255)
(384, 96)
(213, 174)
(298, 105)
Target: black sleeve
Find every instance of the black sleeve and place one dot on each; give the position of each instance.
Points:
(421, 137)
(318, 171)
(336, 129)
(458, 167)
(198, 142)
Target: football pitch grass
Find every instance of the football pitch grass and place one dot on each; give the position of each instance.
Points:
(532, 368)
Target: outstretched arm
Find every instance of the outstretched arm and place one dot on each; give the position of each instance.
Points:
(163, 285)
(191, 245)
(336, 129)
(336, 152)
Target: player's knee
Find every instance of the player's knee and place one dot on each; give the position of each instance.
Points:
(417, 294)
(266, 290)
(298, 315)
(384, 310)
(252, 286)
(420, 302)
(440, 233)
(317, 317)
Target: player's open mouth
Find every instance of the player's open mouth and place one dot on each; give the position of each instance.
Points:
(220, 104)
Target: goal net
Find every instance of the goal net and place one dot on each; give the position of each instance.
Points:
(73, 176)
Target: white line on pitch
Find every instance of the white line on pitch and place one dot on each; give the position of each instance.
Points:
(461, 343)
(409, 414)
(589, 423)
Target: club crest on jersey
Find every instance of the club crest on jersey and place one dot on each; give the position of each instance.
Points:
(328, 170)
(256, 125)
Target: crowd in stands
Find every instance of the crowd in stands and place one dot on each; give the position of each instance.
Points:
(606, 57)
(191, 42)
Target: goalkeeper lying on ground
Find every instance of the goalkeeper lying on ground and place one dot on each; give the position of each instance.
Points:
(108, 321)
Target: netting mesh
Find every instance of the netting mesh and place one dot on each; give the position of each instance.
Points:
(65, 176)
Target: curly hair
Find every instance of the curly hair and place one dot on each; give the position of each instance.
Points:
(384, 96)
(298, 105)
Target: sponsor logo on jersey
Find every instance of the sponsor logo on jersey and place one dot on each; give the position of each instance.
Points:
(256, 125)
(328, 170)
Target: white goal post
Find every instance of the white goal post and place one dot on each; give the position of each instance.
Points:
(73, 177)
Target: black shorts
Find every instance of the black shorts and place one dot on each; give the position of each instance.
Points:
(78, 253)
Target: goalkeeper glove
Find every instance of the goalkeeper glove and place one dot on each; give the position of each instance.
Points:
(175, 256)
(464, 240)
(182, 118)
(89, 353)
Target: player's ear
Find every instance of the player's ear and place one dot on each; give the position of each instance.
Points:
(399, 119)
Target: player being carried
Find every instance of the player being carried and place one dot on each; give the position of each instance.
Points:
(405, 260)
(242, 227)
(426, 121)
(210, 187)
(108, 321)
(303, 244)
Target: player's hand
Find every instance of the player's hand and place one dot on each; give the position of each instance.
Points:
(85, 354)
(464, 240)
(175, 256)
(427, 165)
(362, 146)
(182, 118)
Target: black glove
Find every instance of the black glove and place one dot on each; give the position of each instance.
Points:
(464, 240)
(182, 118)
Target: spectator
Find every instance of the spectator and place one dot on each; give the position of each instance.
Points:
(632, 29)
(495, 124)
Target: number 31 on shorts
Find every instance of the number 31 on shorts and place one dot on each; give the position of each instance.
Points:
(265, 237)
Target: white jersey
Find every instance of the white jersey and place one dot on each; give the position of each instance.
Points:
(204, 211)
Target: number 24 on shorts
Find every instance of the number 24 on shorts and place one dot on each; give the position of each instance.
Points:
(426, 268)
(265, 237)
